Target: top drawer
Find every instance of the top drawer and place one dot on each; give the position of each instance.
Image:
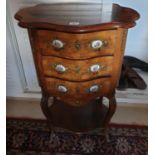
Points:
(76, 46)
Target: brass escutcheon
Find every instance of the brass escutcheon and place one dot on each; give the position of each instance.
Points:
(77, 44)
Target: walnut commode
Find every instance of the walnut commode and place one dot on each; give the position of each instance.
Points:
(78, 57)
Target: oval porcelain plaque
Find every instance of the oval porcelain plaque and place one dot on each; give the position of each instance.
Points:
(62, 89)
(94, 88)
(60, 68)
(96, 44)
(95, 68)
(57, 43)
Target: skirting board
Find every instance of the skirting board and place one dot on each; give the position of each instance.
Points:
(30, 108)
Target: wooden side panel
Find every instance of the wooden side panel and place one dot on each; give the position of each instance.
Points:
(118, 57)
(37, 57)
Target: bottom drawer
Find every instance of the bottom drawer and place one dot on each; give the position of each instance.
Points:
(78, 93)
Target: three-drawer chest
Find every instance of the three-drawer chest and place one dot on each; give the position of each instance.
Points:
(78, 51)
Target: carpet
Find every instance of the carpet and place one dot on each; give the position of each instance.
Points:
(32, 137)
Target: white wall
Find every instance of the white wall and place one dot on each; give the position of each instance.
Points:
(137, 42)
(14, 87)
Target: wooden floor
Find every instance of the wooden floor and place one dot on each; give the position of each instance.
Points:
(30, 108)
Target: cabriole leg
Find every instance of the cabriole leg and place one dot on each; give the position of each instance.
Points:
(110, 113)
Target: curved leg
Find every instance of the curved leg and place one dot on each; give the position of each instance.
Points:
(111, 111)
(45, 110)
(44, 105)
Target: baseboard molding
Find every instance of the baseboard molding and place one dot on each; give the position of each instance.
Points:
(29, 108)
(37, 100)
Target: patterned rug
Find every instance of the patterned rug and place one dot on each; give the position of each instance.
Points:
(32, 137)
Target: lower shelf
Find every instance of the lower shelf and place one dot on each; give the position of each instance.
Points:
(78, 119)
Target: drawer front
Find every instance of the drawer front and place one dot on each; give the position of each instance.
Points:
(76, 46)
(78, 93)
(77, 70)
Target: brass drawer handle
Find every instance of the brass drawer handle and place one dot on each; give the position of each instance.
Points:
(58, 44)
(97, 44)
(94, 89)
(60, 68)
(62, 89)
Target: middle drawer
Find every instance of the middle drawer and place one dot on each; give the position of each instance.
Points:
(77, 70)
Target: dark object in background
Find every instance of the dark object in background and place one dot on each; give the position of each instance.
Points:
(129, 77)
(136, 63)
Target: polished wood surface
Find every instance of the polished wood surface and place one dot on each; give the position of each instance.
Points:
(114, 62)
(66, 60)
(44, 39)
(78, 93)
(78, 70)
(46, 16)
